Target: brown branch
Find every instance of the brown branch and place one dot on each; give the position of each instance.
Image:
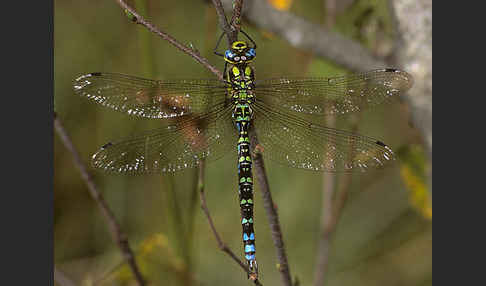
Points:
(225, 26)
(271, 212)
(191, 52)
(205, 209)
(236, 18)
(116, 232)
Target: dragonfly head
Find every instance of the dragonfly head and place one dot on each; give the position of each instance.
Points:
(239, 53)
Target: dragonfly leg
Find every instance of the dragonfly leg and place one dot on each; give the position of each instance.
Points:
(249, 38)
(217, 45)
(224, 72)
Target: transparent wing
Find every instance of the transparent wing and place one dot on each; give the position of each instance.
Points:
(176, 147)
(150, 98)
(335, 95)
(299, 143)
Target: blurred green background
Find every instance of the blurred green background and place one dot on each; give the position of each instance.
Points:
(384, 234)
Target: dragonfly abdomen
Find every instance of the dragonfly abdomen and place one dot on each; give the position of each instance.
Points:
(242, 115)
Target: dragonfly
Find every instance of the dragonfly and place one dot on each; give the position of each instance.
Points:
(205, 119)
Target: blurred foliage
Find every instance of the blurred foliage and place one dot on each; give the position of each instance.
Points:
(380, 238)
(414, 172)
(282, 5)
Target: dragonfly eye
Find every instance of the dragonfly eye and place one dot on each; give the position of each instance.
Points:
(243, 58)
(228, 54)
(237, 58)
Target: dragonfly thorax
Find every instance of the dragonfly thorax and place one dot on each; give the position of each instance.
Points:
(241, 78)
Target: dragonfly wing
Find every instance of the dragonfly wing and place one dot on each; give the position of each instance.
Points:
(178, 146)
(299, 143)
(335, 95)
(150, 98)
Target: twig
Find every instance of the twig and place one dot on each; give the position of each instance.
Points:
(194, 54)
(283, 265)
(225, 26)
(310, 37)
(236, 18)
(116, 232)
(61, 278)
(205, 209)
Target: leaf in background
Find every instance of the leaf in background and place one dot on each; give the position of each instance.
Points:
(413, 171)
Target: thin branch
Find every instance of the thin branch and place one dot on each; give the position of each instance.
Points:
(191, 52)
(268, 204)
(310, 37)
(62, 278)
(205, 209)
(225, 26)
(116, 232)
(236, 18)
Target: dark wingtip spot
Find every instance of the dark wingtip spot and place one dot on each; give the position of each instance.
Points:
(390, 70)
(95, 74)
(381, 144)
(106, 145)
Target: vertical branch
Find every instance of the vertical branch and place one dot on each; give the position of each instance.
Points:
(230, 35)
(283, 265)
(236, 18)
(116, 232)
